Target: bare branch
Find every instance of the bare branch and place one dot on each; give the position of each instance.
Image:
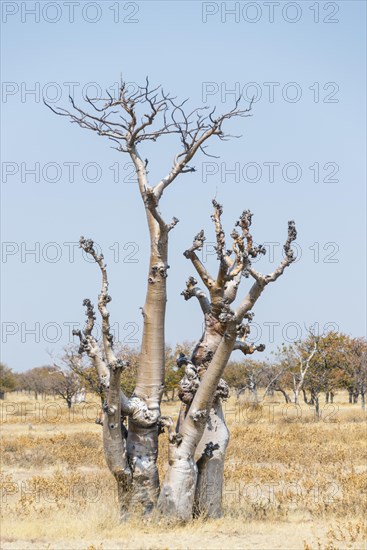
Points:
(89, 345)
(193, 290)
(193, 137)
(191, 255)
(289, 254)
(103, 299)
(246, 348)
(223, 257)
(262, 280)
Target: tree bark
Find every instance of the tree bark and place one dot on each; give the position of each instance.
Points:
(211, 452)
(179, 487)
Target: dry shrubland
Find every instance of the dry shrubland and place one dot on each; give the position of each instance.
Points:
(290, 481)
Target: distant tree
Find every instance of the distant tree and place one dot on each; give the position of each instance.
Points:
(235, 375)
(296, 359)
(67, 385)
(74, 359)
(36, 380)
(7, 380)
(261, 378)
(130, 357)
(354, 377)
(325, 366)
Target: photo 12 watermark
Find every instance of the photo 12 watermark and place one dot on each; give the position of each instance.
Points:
(270, 12)
(70, 12)
(51, 332)
(272, 91)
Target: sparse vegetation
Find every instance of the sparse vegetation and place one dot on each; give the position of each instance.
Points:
(285, 471)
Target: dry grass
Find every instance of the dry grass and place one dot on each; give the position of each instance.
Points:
(290, 482)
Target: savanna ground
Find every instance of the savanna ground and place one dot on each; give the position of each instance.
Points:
(291, 482)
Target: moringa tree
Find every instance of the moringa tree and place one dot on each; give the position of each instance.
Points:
(131, 453)
(198, 445)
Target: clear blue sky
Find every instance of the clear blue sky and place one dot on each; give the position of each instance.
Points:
(311, 113)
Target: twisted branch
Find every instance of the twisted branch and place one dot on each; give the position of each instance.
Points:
(193, 290)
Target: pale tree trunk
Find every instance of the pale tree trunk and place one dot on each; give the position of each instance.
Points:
(303, 368)
(142, 442)
(179, 487)
(212, 452)
(114, 445)
(296, 396)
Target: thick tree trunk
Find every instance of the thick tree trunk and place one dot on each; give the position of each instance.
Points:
(179, 487)
(114, 437)
(142, 450)
(117, 460)
(211, 452)
(142, 442)
(177, 494)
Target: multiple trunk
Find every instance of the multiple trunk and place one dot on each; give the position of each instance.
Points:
(197, 446)
(193, 482)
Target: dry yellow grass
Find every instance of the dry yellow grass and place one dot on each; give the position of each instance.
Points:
(290, 482)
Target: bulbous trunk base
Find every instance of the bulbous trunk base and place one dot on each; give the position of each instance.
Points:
(142, 450)
(176, 499)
